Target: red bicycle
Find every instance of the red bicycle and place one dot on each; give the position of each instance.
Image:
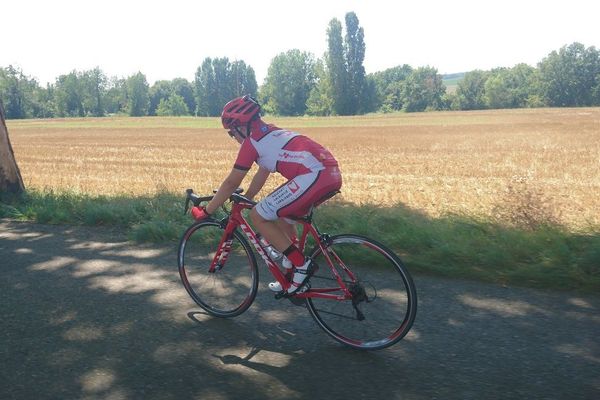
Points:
(361, 293)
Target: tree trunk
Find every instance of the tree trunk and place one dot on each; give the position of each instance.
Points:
(10, 176)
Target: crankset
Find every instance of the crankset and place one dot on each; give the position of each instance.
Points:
(297, 301)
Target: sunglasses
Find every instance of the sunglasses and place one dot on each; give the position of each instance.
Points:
(232, 132)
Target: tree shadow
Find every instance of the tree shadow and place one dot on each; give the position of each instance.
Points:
(87, 314)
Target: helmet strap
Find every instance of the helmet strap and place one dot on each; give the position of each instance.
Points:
(254, 118)
(239, 132)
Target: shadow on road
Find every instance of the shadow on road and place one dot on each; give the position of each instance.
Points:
(86, 314)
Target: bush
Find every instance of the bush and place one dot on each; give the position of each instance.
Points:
(526, 206)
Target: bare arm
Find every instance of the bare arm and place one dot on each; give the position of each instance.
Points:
(257, 182)
(232, 182)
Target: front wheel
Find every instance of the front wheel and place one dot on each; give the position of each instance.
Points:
(230, 288)
(384, 298)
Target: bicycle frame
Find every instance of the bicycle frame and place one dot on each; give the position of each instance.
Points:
(237, 219)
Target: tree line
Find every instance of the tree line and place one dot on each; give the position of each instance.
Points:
(298, 83)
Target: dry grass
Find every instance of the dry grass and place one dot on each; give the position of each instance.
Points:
(478, 163)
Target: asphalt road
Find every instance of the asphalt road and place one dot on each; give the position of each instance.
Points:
(86, 314)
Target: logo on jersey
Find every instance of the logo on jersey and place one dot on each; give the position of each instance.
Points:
(296, 156)
(293, 186)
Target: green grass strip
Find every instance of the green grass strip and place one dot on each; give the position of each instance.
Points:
(455, 246)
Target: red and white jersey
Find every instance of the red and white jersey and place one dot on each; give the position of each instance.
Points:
(283, 151)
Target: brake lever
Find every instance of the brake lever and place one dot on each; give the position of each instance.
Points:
(187, 201)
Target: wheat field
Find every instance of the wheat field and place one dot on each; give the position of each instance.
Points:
(481, 163)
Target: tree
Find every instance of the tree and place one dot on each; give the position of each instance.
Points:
(115, 100)
(320, 99)
(93, 91)
(355, 55)
(423, 89)
(137, 95)
(344, 61)
(10, 176)
(596, 92)
(569, 76)
(174, 105)
(289, 80)
(470, 91)
(389, 85)
(43, 105)
(204, 87)
(509, 87)
(369, 99)
(161, 90)
(243, 79)
(69, 102)
(17, 91)
(218, 81)
(497, 90)
(336, 68)
(183, 88)
(394, 97)
(223, 90)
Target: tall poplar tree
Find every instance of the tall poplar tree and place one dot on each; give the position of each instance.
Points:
(345, 66)
(204, 87)
(336, 67)
(218, 81)
(243, 78)
(355, 55)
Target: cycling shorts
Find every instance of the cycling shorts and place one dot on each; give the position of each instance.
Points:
(294, 198)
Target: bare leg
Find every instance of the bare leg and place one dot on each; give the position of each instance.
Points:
(289, 229)
(276, 232)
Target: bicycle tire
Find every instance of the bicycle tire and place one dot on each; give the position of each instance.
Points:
(390, 304)
(230, 290)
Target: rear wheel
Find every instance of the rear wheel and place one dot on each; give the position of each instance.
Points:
(231, 288)
(384, 298)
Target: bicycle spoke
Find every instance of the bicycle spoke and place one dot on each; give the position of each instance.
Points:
(383, 304)
(332, 313)
(231, 287)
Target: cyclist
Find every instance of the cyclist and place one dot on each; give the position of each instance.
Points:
(311, 170)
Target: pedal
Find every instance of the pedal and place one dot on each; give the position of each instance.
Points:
(280, 295)
(297, 301)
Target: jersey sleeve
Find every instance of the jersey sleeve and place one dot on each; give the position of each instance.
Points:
(246, 156)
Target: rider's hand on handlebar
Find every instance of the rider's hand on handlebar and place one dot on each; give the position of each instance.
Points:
(199, 213)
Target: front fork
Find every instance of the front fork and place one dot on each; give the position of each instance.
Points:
(224, 247)
(221, 256)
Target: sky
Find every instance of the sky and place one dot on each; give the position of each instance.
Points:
(170, 39)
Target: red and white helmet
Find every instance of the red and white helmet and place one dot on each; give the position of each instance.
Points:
(239, 112)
